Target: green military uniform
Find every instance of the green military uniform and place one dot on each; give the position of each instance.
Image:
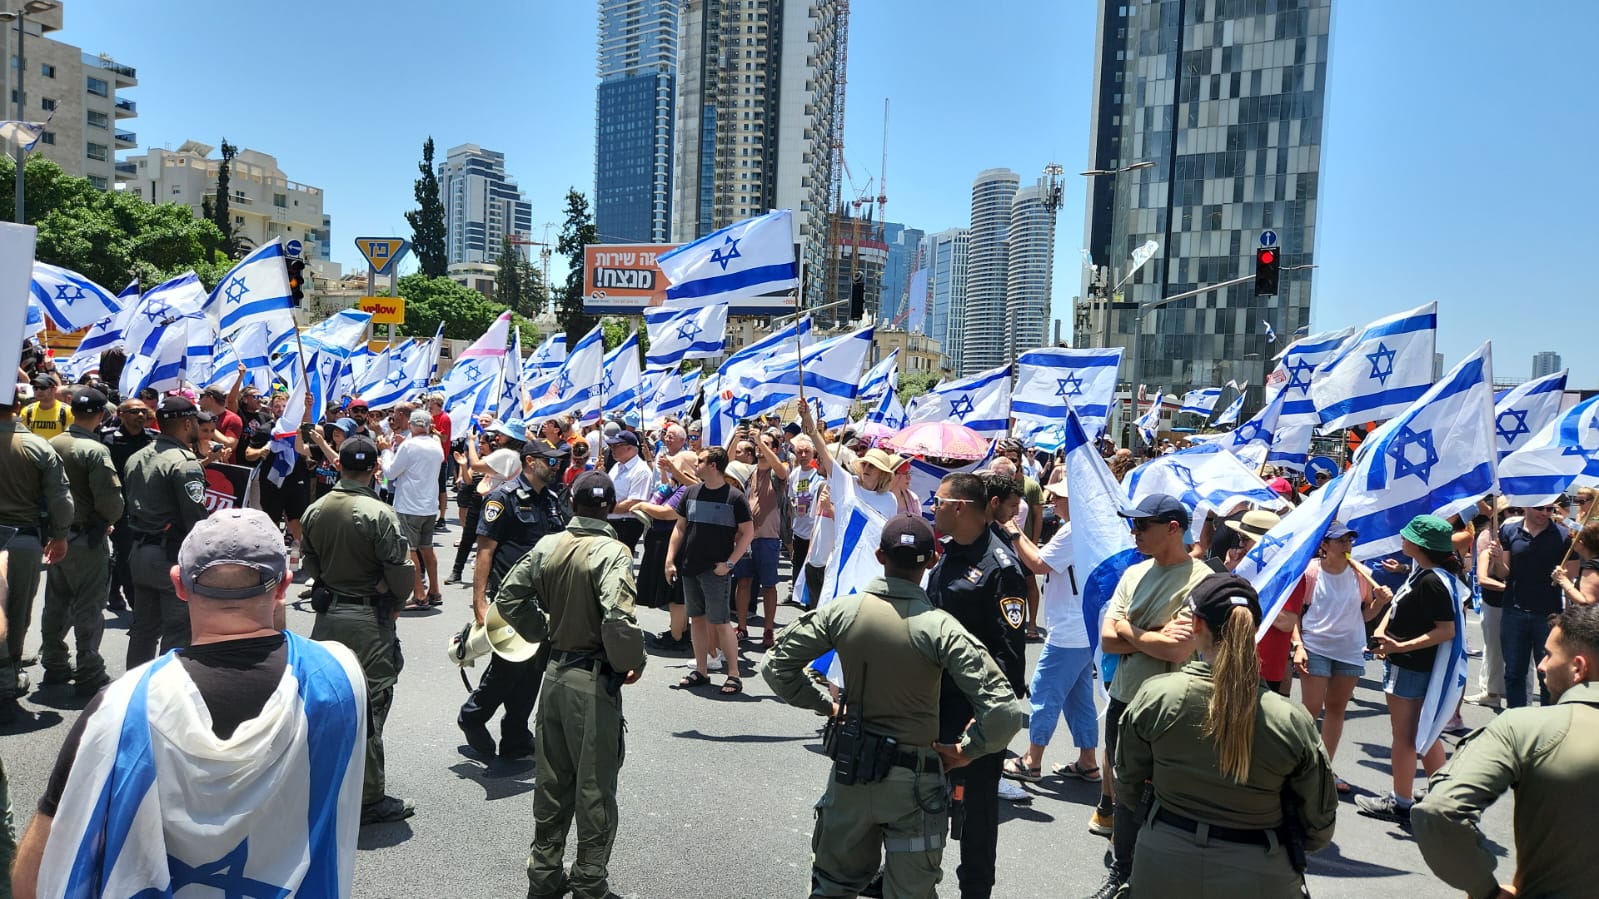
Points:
(76, 592)
(1207, 835)
(903, 816)
(165, 493)
(575, 589)
(36, 499)
(351, 544)
(1548, 755)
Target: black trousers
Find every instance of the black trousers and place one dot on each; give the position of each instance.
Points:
(514, 685)
(980, 838)
(121, 571)
(463, 548)
(628, 530)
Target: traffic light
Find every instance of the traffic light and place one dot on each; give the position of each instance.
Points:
(1268, 262)
(297, 280)
(857, 297)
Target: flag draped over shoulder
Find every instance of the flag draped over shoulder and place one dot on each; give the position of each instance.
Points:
(743, 260)
(1525, 409)
(1048, 379)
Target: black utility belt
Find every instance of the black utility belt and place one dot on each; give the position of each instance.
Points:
(1225, 834)
(860, 756)
(25, 531)
(572, 658)
(357, 600)
(144, 538)
(916, 761)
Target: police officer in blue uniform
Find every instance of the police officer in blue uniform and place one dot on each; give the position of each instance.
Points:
(515, 516)
(983, 586)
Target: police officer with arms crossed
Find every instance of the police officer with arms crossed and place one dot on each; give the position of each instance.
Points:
(165, 492)
(75, 594)
(516, 515)
(981, 584)
(362, 565)
(1227, 762)
(887, 794)
(575, 591)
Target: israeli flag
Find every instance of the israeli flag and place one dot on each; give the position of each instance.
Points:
(257, 289)
(201, 351)
(550, 354)
(385, 381)
(678, 334)
(1102, 543)
(747, 259)
(1271, 333)
(34, 322)
(1204, 478)
(980, 402)
(248, 347)
(1448, 680)
(1290, 446)
(858, 530)
(1048, 379)
(1379, 372)
(477, 366)
(72, 301)
(621, 384)
(1148, 424)
(161, 366)
(1279, 559)
(673, 395)
(274, 810)
(1234, 409)
(513, 389)
(831, 375)
(1438, 451)
(883, 378)
(339, 334)
(165, 304)
(1252, 440)
(1565, 452)
(421, 370)
(721, 410)
(108, 333)
(577, 382)
(888, 412)
(1526, 409)
(1200, 402)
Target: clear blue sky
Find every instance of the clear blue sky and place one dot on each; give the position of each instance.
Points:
(1457, 165)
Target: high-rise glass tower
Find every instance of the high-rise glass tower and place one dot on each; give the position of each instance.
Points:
(1545, 363)
(1030, 249)
(633, 120)
(903, 260)
(1225, 99)
(985, 333)
(481, 205)
(946, 290)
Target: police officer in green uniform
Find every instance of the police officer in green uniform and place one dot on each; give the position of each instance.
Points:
(1239, 784)
(1546, 754)
(75, 593)
(36, 500)
(353, 548)
(575, 591)
(887, 795)
(515, 516)
(165, 492)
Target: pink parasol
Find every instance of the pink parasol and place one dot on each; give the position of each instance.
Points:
(944, 439)
(875, 432)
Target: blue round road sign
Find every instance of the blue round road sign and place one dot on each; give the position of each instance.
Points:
(293, 248)
(1268, 238)
(1318, 464)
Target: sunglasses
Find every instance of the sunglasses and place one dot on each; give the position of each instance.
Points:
(1550, 509)
(940, 502)
(1144, 524)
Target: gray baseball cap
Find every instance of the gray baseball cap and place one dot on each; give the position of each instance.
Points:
(244, 537)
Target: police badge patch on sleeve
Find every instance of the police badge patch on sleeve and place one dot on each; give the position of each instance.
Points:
(492, 510)
(1014, 608)
(195, 490)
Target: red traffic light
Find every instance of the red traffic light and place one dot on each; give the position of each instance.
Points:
(1267, 257)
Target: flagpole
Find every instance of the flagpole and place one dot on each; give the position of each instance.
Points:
(1362, 570)
(1572, 543)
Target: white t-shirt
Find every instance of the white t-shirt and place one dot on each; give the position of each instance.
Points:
(1063, 601)
(885, 504)
(414, 472)
(1334, 625)
(634, 479)
(803, 486)
(821, 543)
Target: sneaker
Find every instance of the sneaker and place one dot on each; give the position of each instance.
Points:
(1012, 792)
(717, 663)
(477, 736)
(454, 578)
(387, 811)
(87, 688)
(516, 751)
(1485, 699)
(1100, 824)
(1115, 885)
(1385, 807)
(56, 677)
(664, 642)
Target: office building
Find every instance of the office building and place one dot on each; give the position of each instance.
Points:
(79, 94)
(903, 260)
(757, 85)
(918, 353)
(945, 252)
(1030, 264)
(1221, 106)
(1545, 363)
(985, 339)
(482, 206)
(633, 120)
(264, 203)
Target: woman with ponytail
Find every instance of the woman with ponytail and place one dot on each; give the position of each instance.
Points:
(1220, 754)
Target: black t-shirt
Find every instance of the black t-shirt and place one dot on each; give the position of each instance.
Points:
(713, 518)
(257, 433)
(1421, 603)
(234, 677)
(1528, 587)
(1223, 538)
(982, 585)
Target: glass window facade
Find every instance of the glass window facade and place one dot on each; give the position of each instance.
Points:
(634, 109)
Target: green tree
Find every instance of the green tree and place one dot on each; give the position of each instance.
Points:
(221, 215)
(427, 220)
(466, 314)
(914, 384)
(519, 284)
(577, 232)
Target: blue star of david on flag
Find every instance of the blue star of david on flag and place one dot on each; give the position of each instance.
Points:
(1247, 432)
(236, 289)
(469, 370)
(961, 406)
(1517, 427)
(1071, 385)
(726, 253)
(1184, 475)
(1265, 548)
(226, 875)
(1382, 363)
(1400, 450)
(563, 384)
(394, 378)
(77, 293)
(689, 330)
(608, 383)
(1299, 375)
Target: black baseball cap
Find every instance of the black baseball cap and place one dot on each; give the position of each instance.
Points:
(907, 540)
(1161, 507)
(88, 401)
(43, 382)
(1214, 598)
(627, 437)
(358, 454)
(173, 406)
(545, 449)
(594, 488)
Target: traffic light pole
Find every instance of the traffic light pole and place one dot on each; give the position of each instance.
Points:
(1133, 382)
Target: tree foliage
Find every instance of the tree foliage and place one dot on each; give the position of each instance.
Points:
(427, 220)
(577, 232)
(466, 314)
(915, 383)
(221, 214)
(519, 284)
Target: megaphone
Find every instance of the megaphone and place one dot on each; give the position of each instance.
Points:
(494, 635)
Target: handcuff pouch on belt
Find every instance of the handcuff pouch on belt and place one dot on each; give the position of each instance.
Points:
(609, 677)
(859, 756)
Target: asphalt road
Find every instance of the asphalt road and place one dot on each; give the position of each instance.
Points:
(717, 792)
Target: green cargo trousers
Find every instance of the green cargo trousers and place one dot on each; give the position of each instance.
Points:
(369, 633)
(75, 597)
(579, 744)
(901, 819)
(1173, 862)
(24, 555)
(8, 835)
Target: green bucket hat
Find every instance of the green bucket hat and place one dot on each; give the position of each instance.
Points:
(1430, 533)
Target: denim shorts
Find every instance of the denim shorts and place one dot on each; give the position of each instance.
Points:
(760, 563)
(1405, 683)
(1322, 666)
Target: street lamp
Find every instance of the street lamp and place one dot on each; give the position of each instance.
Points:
(1131, 167)
(20, 15)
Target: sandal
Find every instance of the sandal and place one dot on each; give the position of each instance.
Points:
(767, 640)
(1015, 770)
(414, 605)
(1090, 774)
(435, 599)
(732, 685)
(694, 679)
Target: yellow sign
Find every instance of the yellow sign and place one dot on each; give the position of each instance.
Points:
(385, 310)
(382, 252)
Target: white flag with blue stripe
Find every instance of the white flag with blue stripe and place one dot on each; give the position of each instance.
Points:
(980, 402)
(1563, 454)
(1377, 373)
(744, 260)
(257, 289)
(247, 347)
(1200, 401)
(386, 381)
(1251, 440)
(72, 301)
(1102, 543)
(1205, 478)
(550, 354)
(338, 334)
(889, 412)
(1438, 451)
(163, 305)
(576, 387)
(1148, 424)
(513, 389)
(1235, 408)
(102, 335)
(1048, 379)
(723, 401)
(673, 394)
(882, 378)
(33, 323)
(160, 366)
(621, 382)
(1526, 409)
(201, 351)
(677, 334)
(1279, 558)
(1448, 681)
(477, 369)
(832, 374)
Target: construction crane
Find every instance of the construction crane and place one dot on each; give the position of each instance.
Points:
(882, 178)
(519, 240)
